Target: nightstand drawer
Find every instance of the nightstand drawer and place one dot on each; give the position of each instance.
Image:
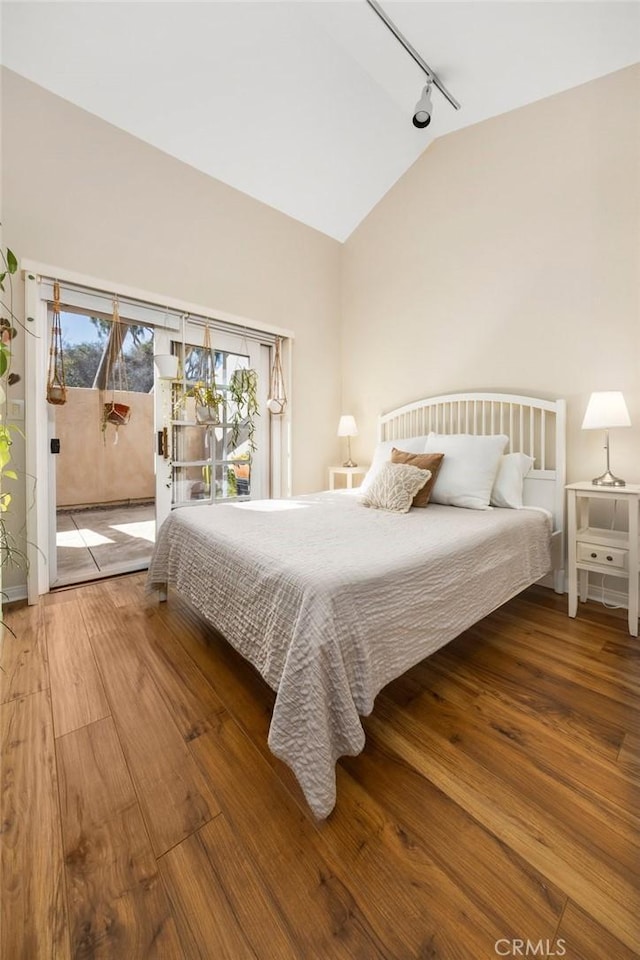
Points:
(603, 556)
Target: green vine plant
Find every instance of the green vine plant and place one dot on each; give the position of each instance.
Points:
(243, 392)
(10, 552)
(206, 395)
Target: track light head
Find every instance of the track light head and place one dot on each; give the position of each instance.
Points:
(422, 112)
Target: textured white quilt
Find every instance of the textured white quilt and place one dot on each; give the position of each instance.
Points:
(331, 600)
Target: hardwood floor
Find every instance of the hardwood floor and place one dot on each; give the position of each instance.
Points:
(143, 815)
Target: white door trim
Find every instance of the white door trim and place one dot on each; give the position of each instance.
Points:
(36, 421)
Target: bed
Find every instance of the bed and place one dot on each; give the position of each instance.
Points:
(330, 600)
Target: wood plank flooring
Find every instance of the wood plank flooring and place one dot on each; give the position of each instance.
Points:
(496, 802)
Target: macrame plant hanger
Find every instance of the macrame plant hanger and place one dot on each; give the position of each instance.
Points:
(208, 399)
(207, 364)
(118, 414)
(56, 386)
(277, 402)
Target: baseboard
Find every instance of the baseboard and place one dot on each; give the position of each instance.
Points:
(609, 598)
(11, 594)
(551, 580)
(546, 581)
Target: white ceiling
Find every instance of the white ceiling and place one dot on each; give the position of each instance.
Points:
(307, 106)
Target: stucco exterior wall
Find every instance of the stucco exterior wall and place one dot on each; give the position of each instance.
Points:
(91, 468)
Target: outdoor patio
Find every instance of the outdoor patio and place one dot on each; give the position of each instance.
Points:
(103, 541)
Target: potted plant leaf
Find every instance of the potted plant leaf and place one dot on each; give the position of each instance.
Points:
(243, 393)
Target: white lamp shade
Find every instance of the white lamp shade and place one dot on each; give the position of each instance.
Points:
(606, 409)
(347, 427)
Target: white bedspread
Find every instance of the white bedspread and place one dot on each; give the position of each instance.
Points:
(331, 600)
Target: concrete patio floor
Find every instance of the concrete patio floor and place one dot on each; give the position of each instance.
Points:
(103, 541)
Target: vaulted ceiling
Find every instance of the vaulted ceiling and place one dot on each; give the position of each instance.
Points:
(307, 106)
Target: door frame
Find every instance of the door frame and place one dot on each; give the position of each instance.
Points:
(40, 539)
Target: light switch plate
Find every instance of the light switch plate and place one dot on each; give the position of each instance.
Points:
(15, 409)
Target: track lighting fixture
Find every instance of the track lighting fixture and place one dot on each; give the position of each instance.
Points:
(424, 108)
(422, 112)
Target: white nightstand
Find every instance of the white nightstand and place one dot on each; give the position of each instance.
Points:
(600, 550)
(348, 472)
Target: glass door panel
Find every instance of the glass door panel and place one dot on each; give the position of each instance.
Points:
(192, 483)
(211, 462)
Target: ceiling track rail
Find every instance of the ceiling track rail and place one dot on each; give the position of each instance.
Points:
(411, 50)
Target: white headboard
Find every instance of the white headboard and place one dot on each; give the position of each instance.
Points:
(536, 427)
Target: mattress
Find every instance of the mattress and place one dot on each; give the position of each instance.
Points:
(330, 600)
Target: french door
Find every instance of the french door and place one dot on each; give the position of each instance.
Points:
(193, 466)
(203, 463)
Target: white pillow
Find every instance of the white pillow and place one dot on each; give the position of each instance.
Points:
(468, 470)
(507, 489)
(382, 455)
(394, 487)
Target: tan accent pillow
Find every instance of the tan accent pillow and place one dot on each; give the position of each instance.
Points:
(424, 461)
(394, 487)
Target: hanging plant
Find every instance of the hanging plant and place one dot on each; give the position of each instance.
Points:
(208, 399)
(243, 393)
(208, 403)
(11, 553)
(113, 412)
(277, 402)
(56, 386)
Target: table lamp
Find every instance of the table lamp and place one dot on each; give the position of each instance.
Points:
(606, 409)
(347, 428)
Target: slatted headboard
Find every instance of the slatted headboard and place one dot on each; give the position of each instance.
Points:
(536, 427)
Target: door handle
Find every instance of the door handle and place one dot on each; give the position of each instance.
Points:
(163, 443)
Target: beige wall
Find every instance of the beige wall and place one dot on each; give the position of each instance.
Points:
(80, 194)
(508, 258)
(90, 467)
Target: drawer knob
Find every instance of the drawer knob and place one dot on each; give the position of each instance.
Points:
(594, 555)
(609, 557)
